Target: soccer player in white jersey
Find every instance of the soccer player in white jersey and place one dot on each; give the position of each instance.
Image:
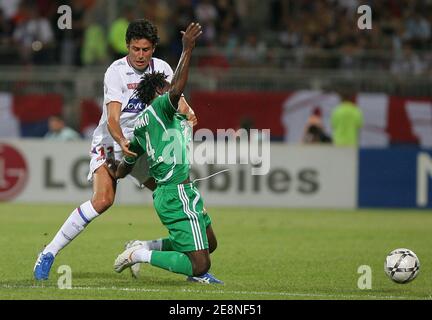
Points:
(110, 138)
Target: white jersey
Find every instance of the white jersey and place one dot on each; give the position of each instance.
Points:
(120, 82)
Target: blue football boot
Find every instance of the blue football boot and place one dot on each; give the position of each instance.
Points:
(43, 265)
(206, 278)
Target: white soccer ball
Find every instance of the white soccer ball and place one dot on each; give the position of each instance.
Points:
(402, 265)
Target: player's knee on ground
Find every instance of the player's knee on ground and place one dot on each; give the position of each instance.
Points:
(200, 263)
(201, 268)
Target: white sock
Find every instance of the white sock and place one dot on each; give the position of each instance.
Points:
(141, 255)
(154, 244)
(72, 227)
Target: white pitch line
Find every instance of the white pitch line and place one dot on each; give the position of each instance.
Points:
(240, 293)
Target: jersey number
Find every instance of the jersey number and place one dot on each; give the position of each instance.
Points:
(101, 150)
(149, 149)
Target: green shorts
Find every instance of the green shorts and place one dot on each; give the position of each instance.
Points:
(181, 209)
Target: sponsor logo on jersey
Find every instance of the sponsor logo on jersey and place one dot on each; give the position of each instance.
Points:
(134, 105)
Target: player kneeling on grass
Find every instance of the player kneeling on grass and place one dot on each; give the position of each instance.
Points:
(176, 199)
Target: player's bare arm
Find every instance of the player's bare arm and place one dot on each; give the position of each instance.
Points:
(180, 77)
(185, 108)
(151, 184)
(113, 124)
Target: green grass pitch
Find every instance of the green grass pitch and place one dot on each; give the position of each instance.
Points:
(262, 254)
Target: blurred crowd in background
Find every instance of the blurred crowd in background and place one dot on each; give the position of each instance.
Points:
(248, 33)
(304, 49)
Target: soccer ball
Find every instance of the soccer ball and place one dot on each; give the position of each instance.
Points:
(402, 265)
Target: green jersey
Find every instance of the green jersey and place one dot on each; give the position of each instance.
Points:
(163, 136)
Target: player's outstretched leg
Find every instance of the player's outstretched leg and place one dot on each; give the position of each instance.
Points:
(103, 197)
(73, 225)
(164, 244)
(173, 261)
(158, 245)
(193, 264)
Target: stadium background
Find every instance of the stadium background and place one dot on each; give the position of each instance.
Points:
(261, 64)
(265, 65)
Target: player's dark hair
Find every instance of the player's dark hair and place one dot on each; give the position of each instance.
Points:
(150, 84)
(142, 29)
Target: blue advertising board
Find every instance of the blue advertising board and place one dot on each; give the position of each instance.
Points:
(395, 177)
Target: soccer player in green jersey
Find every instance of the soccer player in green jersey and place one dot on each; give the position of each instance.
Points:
(161, 135)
